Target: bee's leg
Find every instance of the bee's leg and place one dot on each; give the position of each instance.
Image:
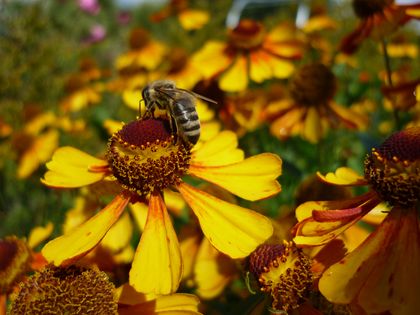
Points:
(150, 111)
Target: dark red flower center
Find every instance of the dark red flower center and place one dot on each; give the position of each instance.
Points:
(144, 157)
(248, 34)
(393, 169)
(366, 8)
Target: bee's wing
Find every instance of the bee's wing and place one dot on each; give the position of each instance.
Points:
(199, 96)
(175, 93)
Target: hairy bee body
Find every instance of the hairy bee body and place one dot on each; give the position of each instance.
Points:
(179, 104)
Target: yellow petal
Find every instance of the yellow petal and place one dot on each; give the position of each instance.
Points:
(68, 248)
(39, 152)
(282, 126)
(281, 68)
(312, 130)
(174, 304)
(235, 78)
(39, 234)
(157, 266)
(233, 230)
(193, 19)
(343, 176)
(212, 271)
(260, 68)
(253, 178)
(190, 240)
(112, 126)
(350, 118)
(211, 59)
(139, 211)
(132, 99)
(70, 167)
(382, 273)
(40, 122)
(174, 202)
(319, 23)
(119, 235)
(220, 150)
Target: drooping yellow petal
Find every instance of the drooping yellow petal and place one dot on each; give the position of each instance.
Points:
(343, 176)
(71, 168)
(312, 128)
(212, 271)
(139, 211)
(260, 69)
(174, 202)
(68, 248)
(282, 126)
(235, 79)
(253, 178)
(157, 265)
(281, 68)
(233, 230)
(40, 122)
(119, 235)
(173, 304)
(190, 240)
(381, 275)
(213, 56)
(39, 234)
(39, 152)
(193, 19)
(220, 150)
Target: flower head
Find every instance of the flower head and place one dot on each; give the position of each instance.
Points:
(249, 53)
(15, 258)
(144, 159)
(283, 271)
(74, 290)
(310, 109)
(378, 18)
(381, 274)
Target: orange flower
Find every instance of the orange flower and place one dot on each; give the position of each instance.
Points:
(378, 18)
(249, 53)
(381, 274)
(144, 159)
(310, 109)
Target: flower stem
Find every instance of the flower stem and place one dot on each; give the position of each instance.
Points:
(389, 78)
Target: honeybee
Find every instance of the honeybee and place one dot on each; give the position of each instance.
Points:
(178, 103)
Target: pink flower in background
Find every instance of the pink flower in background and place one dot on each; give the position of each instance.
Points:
(96, 33)
(124, 17)
(89, 6)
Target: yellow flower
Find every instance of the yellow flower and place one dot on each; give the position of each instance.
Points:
(378, 18)
(144, 52)
(132, 302)
(144, 158)
(310, 110)
(249, 53)
(83, 88)
(190, 19)
(381, 274)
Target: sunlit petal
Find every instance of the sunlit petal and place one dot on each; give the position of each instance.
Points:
(193, 19)
(220, 150)
(235, 78)
(40, 151)
(253, 178)
(139, 211)
(119, 235)
(343, 176)
(157, 266)
(212, 271)
(213, 57)
(39, 234)
(68, 248)
(70, 167)
(312, 128)
(233, 230)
